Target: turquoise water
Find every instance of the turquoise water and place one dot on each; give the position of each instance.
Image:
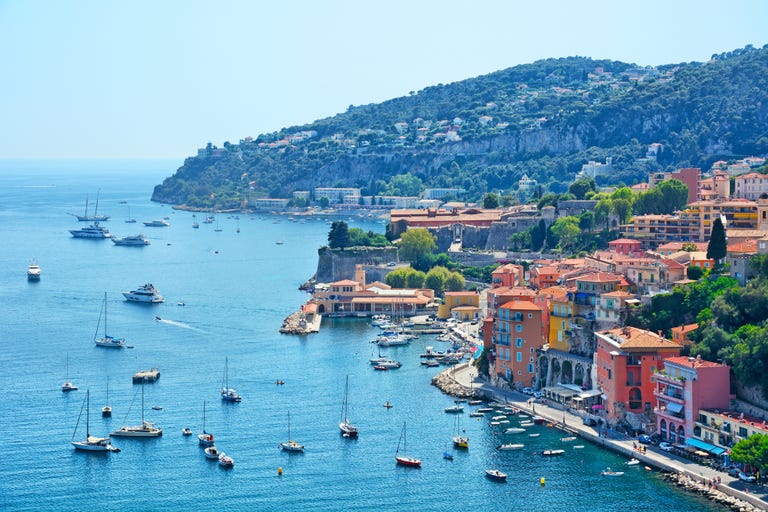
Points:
(237, 288)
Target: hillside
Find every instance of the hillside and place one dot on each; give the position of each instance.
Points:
(544, 119)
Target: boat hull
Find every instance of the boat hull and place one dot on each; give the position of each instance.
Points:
(496, 476)
(348, 430)
(408, 462)
(137, 432)
(91, 447)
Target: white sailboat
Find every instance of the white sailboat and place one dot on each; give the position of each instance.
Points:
(130, 220)
(204, 438)
(107, 340)
(146, 429)
(347, 429)
(90, 443)
(405, 460)
(106, 411)
(228, 394)
(291, 445)
(68, 386)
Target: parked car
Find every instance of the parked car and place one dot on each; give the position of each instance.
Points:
(655, 438)
(590, 422)
(746, 477)
(537, 394)
(665, 446)
(644, 439)
(527, 391)
(734, 471)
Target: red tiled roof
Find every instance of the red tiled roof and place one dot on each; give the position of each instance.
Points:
(524, 305)
(692, 362)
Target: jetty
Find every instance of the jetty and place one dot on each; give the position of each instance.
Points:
(146, 376)
(304, 321)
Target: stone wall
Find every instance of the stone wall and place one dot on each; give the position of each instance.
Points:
(335, 265)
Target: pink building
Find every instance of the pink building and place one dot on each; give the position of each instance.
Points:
(686, 385)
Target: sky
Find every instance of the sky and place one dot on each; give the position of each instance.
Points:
(159, 79)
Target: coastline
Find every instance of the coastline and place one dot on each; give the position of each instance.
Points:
(462, 381)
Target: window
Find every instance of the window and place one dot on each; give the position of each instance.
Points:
(519, 357)
(518, 342)
(530, 315)
(530, 368)
(519, 328)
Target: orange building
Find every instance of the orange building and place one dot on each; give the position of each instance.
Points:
(517, 337)
(507, 275)
(544, 277)
(625, 360)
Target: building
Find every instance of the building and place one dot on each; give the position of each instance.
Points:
(625, 360)
(751, 185)
(683, 386)
(517, 337)
(267, 203)
(690, 176)
(508, 275)
(458, 299)
(626, 246)
(680, 333)
(543, 276)
(338, 195)
(441, 193)
(561, 320)
(435, 218)
(723, 428)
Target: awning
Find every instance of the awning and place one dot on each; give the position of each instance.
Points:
(714, 450)
(674, 408)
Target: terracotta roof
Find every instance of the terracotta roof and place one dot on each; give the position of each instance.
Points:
(523, 305)
(617, 293)
(600, 277)
(624, 241)
(633, 338)
(345, 282)
(461, 294)
(743, 247)
(692, 362)
(685, 328)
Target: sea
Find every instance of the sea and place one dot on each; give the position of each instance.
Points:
(228, 286)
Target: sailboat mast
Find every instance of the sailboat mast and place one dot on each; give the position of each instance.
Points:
(142, 404)
(87, 414)
(105, 314)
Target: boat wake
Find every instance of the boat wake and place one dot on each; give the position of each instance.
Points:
(177, 324)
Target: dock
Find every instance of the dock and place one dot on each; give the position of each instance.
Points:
(146, 376)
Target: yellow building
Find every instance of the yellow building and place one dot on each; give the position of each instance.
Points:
(457, 299)
(561, 323)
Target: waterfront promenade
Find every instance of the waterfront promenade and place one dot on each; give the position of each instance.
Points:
(756, 495)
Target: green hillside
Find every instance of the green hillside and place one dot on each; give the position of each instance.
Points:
(544, 119)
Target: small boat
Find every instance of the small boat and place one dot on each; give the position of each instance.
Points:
(33, 271)
(454, 409)
(204, 438)
(226, 461)
(460, 401)
(498, 418)
(526, 423)
(495, 423)
(228, 394)
(380, 368)
(106, 411)
(279, 382)
(144, 293)
(510, 446)
(405, 460)
(146, 429)
(388, 405)
(567, 439)
(476, 414)
(68, 385)
(514, 430)
(291, 445)
(534, 435)
(212, 453)
(195, 224)
(388, 364)
(538, 420)
(485, 409)
(430, 363)
(633, 462)
(578, 447)
(157, 223)
(106, 341)
(347, 429)
(475, 402)
(186, 431)
(90, 443)
(447, 455)
(610, 472)
(496, 475)
(552, 453)
(131, 241)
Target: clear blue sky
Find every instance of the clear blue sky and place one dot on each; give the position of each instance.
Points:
(160, 78)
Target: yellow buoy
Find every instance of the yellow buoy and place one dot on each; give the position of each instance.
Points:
(542, 481)
(279, 471)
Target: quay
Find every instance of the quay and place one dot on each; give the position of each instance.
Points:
(463, 381)
(304, 321)
(146, 376)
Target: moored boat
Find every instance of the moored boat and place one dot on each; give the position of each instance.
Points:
(90, 443)
(226, 461)
(93, 231)
(131, 241)
(610, 472)
(496, 475)
(106, 341)
(510, 446)
(228, 394)
(33, 271)
(157, 223)
(290, 445)
(212, 453)
(552, 453)
(347, 429)
(404, 459)
(146, 429)
(454, 409)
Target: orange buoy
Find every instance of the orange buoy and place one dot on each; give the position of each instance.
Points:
(279, 471)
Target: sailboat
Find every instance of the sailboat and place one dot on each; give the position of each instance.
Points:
(204, 438)
(130, 220)
(403, 459)
(91, 218)
(90, 443)
(228, 394)
(291, 445)
(106, 411)
(459, 441)
(194, 221)
(146, 429)
(106, 341)
(347, 429)
(68, 386)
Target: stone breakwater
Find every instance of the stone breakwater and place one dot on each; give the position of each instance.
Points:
(448, 385)
(301, 323)
(710, 491)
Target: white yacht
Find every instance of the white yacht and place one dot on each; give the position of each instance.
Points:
(131, 240)
(33, 271)
(145, 293)
(92, 231)
(146, 429)
(157, 223)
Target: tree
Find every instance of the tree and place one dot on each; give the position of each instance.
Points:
(538, 235)
(455, 282)
(586, 221)
(581, 186)
(752, 451)
(491, 201)
(323, 202)
(397, 278)
(435, 279)
(415, 243)
(674, 195)
(622, 208)
(567, 231)
(415, 279)
(718, 246)
(689, 247)
(602, 212)
(695, 272)
(338, 236)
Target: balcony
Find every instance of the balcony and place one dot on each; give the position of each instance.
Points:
(672, 398)
(670, 412)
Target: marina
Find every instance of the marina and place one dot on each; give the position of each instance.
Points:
(235, 312)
